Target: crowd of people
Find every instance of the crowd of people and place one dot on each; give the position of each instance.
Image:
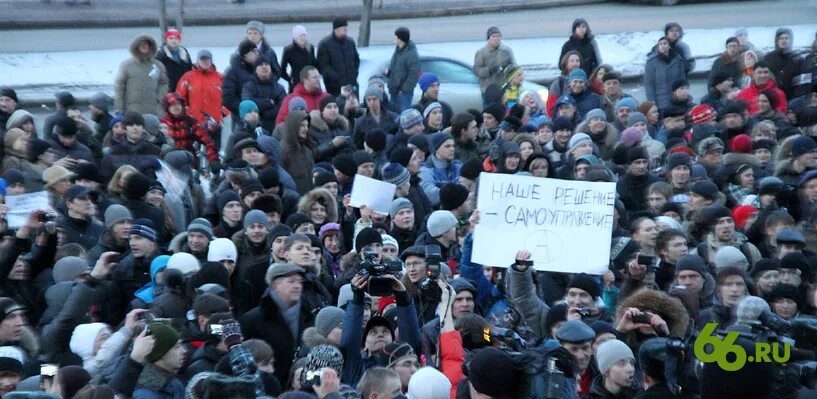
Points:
(136, 281)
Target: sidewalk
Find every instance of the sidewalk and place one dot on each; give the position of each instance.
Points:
(42, 14)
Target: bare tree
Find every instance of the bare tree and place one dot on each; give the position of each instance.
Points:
(365, 24)
(163, 16)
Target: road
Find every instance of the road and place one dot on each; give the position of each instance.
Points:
(604, 18)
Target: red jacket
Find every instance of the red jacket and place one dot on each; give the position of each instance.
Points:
(201, 91)
(749, 96)
(452, 356)
(186, 131)
(313, 101)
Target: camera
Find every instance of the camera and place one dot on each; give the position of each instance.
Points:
(216, 329)
(584, 312)
(646, 260)
(433, 258)
(378, 283)
(641, 319)
(312, 378)
(49, 216)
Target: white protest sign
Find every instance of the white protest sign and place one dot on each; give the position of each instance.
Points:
(373, 193)
(21, 205)
(565, 225)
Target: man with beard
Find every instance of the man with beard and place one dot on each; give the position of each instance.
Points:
(265, 92)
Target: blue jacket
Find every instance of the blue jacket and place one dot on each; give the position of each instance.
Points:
(356, 361)
(435, 173)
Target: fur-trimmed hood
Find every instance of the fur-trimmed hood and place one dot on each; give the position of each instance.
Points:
(323, 197)
(669, 308)
(134, 47)
(610, 134)
(317, 122)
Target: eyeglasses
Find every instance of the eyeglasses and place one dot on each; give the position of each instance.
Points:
(412, 265)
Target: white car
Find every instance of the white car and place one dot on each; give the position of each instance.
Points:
(459, 86)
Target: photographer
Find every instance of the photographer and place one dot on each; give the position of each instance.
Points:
(426, 296)
(462, 304)
(378, 332)
(442, 230)
(649, 313)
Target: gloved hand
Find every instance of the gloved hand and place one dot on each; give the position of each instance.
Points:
(231, 333)
(215, 167)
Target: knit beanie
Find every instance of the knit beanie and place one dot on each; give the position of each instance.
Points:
(426, 80)
(211, 273)
(409, 118)
(296, 220)
(395, 174)
(635, 117)
(785, 291)
(706, 189)
(628, 102)
(495, 110)
(691, 262)
(741, 143)
(636, 153)
(136, 186)
(254, 216)
(577, 74)
(586, 283)
(201, 225)
(702, 113)
(452, 196)
(321, 356)
(361, 157)
(428, 383)
(741, 214)
(325, 101)
(403, 34)
(224, 248)
(327, 319)
(165, 338)
(226, 197)
(281, 230)
(68, 268)
(8, 92)
(439, 139)
(802, 145)
(366, 237)
(296, 103)
(431, 107)
(184, 262)
(764, 265)
(491, 31)
(339, 22)
(250, 186)
(376, 139)
(493, 372)
(422, 142)
(116, 213)
(471, 169)
(14, 176)
(144, 228)
(373, 91)
(578, 139)
(630, 137)
(399, 204)
(595, 113)
(345, 163)
(245, 107)
(256, 25)
(610, 352)
(439, 222)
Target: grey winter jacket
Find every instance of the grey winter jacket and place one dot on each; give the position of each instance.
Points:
(522, 294)
(404, 69)
(489, 63)
(141, 82)
(658, 77)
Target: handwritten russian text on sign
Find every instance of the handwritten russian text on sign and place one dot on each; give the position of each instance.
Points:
(566, 225)
(373, 193)
(21, 205)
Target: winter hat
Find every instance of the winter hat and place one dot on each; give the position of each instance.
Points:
(389, 240)
(165, 338)
(510, 124)
(790, 235)
(565, 99)
(595, 113)
(14, 176)
(702, 113)
(204, 54)
(245, 47)
(802, 145)
(318, 358)
(399, 204)
(452, 196)
(577, 73)
(428, 383)
(376, 139)
(730, 256)
(71, 380)
(741, 215)
(185, 262)
(324, 177)
(136, 186)
(201, 225)
(491, 31)
(224, 249)
(431, 107)
(628, 102)
(269, 178)
(83, 338)
(327, 319)
(718, 77)
(144, 228)
(769, 185)
(18, 118)
(69, 267)
(409, 118)
(65, 99)
(54, 174)
(635, 117)
(403, 34)
(562, 123)
(366, 237)
(362, 157)
(152, 124)
(785, 291)
(339, 22)
(395, 174)
(706, 189)
(245, 107)
(803, 180)
(8, 92)
(678, 159)
(691, 262)
(575, 331)
(250, 186)
(741, 143)
(325, 101)
(603, 327)
(678, 83)
(578, 139)
(610, 352)
(750, 306)
(439, 222)
(495, 110)
(439, 139)
(636, 153)
(796, 261)
(296, 103)
(471, 169)
(764, 265)
(493, 372)
(253, 216)
(225, 197)
(345, 163)
(257, 25)
(373, 91)
(586, 283)
(281, 230)
(631, 136)
(115, 214)
(296, 220)
(426, 80)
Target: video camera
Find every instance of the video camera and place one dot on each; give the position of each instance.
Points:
(433, 258)
(378, 283)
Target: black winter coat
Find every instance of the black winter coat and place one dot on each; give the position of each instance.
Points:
(82, 232)
(266, 322)
(338, 62)
(175, 69)
(588, 49)
(724, 64)
(236, 76)
(447, 111)
(127, 153)
(141, 209)
(268, 96)
(129, 275)
(56, 335)
(296, 57)
(204, 359)
(632, 191)
(366, 123)
(783, 65)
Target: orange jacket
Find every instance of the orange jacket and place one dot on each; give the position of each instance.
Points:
(452, 356)
(201, 91)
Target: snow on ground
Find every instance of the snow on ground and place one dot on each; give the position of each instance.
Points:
(38, 75)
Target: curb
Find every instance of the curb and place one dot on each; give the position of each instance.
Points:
(353, 14)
